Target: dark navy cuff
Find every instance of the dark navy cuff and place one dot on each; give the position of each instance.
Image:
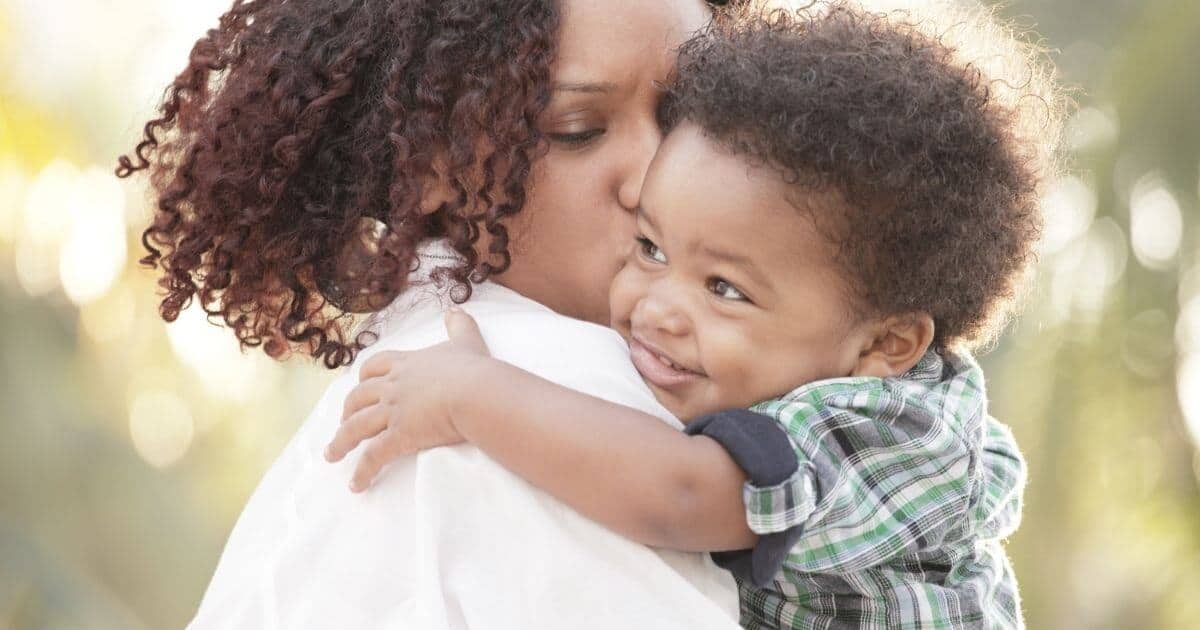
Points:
(762, 449)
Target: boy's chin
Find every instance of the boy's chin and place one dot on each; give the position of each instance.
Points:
(684, 412)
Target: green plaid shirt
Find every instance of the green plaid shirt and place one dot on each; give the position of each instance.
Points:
(905, 489)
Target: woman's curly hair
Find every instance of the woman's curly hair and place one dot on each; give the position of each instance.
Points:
(291, 157)
(934, 137)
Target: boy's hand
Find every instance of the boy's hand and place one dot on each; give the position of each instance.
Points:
(403, 400)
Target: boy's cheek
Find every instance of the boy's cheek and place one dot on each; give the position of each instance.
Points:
(623, 295)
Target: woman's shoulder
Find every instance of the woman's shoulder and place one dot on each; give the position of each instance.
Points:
(581, 355)
(415, 320)
(519, 323)
(418, 309)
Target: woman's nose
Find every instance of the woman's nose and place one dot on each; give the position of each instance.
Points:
(641, 148)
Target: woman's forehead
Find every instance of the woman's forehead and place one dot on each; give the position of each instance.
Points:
(608, 41)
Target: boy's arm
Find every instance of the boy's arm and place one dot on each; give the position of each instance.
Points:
(619, 466)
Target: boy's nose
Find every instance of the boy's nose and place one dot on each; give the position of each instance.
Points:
(660, 314)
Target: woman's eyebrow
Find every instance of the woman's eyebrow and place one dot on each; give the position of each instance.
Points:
(584, 86)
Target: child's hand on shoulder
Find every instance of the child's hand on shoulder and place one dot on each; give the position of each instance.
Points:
(403, 401)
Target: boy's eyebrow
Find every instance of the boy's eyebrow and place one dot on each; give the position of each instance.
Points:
(641, 212)
(738, 260)
(584, 86)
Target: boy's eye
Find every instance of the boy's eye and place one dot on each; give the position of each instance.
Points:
(575, 139)
(650, 250)
(723, 289)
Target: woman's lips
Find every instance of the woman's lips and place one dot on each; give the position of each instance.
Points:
(655, 369)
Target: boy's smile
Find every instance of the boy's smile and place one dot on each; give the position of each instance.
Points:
(729, 296)
(657, 367)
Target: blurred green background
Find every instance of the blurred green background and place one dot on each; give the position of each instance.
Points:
(128, 447)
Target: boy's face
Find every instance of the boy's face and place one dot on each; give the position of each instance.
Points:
(729, 297)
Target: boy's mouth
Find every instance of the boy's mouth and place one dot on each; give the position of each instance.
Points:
(657, 367)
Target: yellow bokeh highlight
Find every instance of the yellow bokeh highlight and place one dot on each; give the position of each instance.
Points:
(33, 136)
(13, 182)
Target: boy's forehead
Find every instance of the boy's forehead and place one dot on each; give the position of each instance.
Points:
(692, 168)
(717, 201)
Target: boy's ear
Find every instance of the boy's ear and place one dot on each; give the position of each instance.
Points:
(895, 346)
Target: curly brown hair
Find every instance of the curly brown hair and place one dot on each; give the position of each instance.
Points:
(290, 158)
(936, 165)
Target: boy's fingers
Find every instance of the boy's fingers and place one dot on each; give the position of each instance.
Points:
(373, 391)
(377, 454)
(463, 330)
(358, 427)
(379, 364)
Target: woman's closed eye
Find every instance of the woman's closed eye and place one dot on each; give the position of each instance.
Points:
(650, 251)
(575, 139)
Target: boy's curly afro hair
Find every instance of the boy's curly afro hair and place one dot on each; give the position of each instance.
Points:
(937, 160)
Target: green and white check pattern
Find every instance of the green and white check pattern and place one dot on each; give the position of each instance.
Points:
(905, 489)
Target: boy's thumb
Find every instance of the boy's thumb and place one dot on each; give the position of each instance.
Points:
(463, 331)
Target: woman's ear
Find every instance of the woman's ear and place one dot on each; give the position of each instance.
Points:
(895, 346)
(435, 187)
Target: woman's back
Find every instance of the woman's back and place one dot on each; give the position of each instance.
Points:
(448, 538)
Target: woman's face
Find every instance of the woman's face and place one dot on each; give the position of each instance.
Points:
(577, 224)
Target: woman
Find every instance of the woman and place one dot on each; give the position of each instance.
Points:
(318, 159)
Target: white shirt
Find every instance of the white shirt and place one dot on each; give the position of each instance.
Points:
(448, 539)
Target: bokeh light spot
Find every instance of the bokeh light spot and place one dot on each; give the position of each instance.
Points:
(110, 318)
(48, 206)
(1155, 223)
(211, 350)
(1187, 388)
(1092, 128)
(1069, 207)
(160, 426)
(94, 252)
(1187, 326)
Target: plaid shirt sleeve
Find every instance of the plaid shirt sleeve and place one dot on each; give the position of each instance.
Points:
(883, 471)
(998, 510)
